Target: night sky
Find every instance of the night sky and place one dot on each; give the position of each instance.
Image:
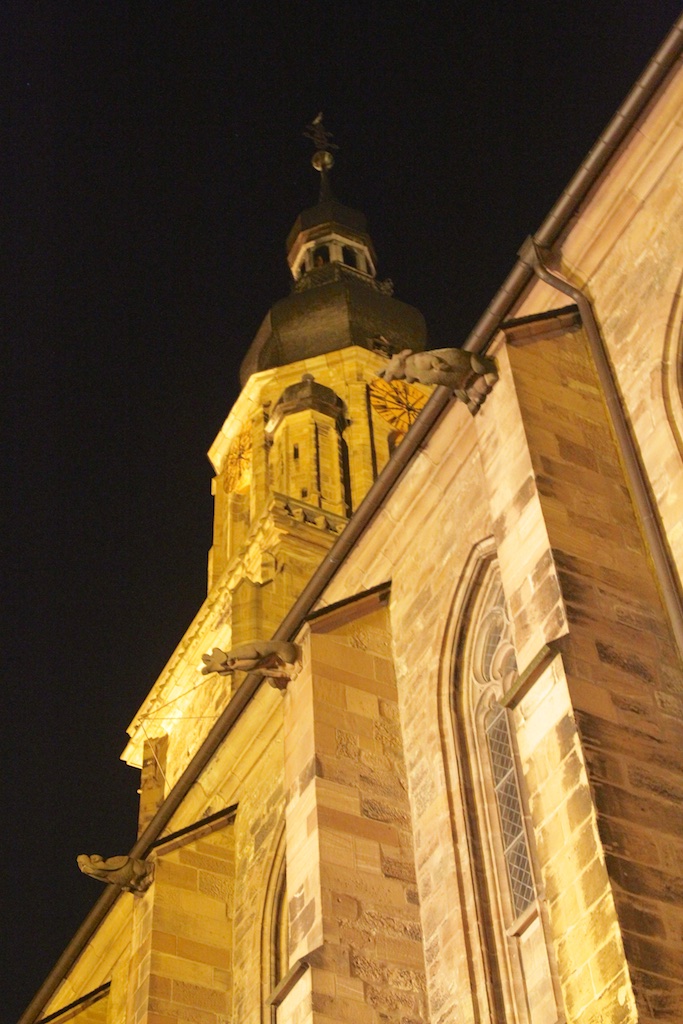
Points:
(153, 164)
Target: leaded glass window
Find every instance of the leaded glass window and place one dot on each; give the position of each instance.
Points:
(510, 916)
(510, 813)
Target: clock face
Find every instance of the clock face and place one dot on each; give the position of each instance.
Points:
(239, 462)
(397, 402)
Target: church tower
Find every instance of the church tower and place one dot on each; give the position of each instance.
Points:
(463, 801)
(310, 431)
(313, 425)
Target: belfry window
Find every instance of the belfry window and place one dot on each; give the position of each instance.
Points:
(321, 256)
(349, 256)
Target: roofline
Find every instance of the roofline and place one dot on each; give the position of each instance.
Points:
(478, 340)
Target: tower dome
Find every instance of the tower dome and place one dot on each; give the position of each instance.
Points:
(336, 300)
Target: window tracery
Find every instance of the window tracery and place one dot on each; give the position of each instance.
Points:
(513, 944)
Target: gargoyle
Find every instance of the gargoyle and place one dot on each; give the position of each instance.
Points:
(129, 873)
(276, 659)
(469, 375)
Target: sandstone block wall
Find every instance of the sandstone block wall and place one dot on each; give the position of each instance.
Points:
(181, 968)
(523, 547)
(104, 959)
(575, 884)
(95, 1009)
(197, 953)
(426, 539)
(353, 902)
(623, 671)
(626, 250)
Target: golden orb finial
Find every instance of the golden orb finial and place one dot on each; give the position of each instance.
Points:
(322, 159)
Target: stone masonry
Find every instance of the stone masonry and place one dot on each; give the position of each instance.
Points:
(353, 903)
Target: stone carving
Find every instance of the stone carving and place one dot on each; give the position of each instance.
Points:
(276, 659)
(386, 287)
(468, 375)
(128, 873)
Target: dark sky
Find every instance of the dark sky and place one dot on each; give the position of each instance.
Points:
(153, 166)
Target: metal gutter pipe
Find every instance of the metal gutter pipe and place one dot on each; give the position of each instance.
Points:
(656, 541)
(477, 341)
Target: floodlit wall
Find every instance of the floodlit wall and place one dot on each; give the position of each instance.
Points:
(368, 779)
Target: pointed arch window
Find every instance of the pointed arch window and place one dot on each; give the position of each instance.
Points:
(275, 931)
(514, 947)
(279, 943)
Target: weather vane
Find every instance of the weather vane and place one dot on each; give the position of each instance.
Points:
(318, 133)
(322, 159)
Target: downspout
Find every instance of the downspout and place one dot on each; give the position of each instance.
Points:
(668, 581)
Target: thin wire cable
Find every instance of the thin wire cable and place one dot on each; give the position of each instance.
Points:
(177, 697)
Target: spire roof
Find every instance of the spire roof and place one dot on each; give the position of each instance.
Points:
(329, 221)
(336, 300)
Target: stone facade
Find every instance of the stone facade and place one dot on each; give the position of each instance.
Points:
(466, 804)
(353, 903)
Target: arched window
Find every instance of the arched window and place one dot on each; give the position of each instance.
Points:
(280, 930)
(510, 912)
(275, 930)
(672, 366)
(349, 256)
(321, 256)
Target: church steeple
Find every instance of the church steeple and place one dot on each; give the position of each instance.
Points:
(337, 300)
(312, 428)
(329, 232)
(313, 425)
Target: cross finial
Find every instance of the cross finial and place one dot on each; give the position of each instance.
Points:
(320, 137)
(322, 159)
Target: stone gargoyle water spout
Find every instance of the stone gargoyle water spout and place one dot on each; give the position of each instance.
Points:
(470, 376)
(128, 873)
(278, 660)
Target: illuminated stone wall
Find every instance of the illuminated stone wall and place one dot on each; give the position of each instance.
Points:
(353, 903)
(183, 934)
(359, 775)
(622, 672)
(267, 543)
